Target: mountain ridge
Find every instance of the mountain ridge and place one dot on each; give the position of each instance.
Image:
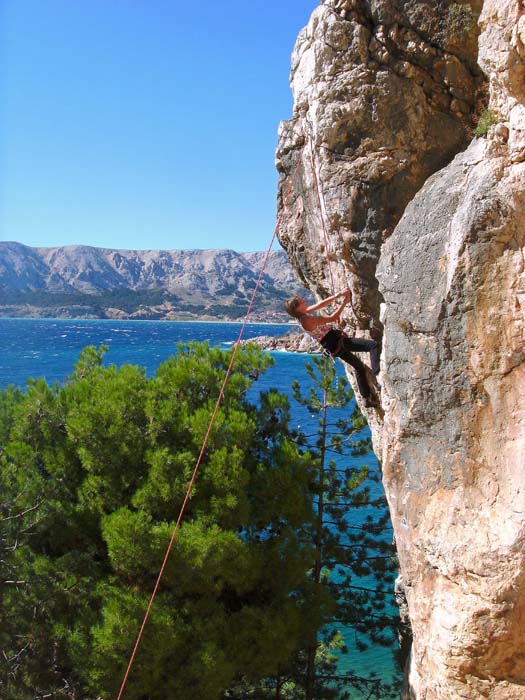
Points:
(88, 281)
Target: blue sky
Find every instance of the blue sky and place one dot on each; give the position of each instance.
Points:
(143, 123)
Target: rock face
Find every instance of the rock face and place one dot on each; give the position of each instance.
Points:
(293, 341)
(385, 102)
(427, 226)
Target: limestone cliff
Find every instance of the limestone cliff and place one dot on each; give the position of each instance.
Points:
(426, 224)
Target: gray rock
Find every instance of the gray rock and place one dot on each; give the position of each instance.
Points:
(427, 228)
(293, 341)
(373, 91)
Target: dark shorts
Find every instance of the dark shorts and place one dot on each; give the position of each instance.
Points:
(338, 344)
(331, 342)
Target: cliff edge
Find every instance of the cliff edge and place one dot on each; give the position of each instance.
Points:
(426, 224)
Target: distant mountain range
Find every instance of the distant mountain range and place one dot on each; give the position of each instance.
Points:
(84, 282)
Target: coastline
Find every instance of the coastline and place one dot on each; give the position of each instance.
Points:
(295, 341)
(288, 336)
(141, 320)
(47, 345)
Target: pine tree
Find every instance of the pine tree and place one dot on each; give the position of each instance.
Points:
(92, 474)
(95, 472)
(18, 505)
(354, 555)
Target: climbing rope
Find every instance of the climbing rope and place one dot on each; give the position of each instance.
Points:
(320, 203)
(322, 214)
(210, 425)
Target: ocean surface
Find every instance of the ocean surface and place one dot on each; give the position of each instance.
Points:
(50, 348)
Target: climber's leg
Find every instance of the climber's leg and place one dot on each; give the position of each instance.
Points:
(360, 371)
(363, 345)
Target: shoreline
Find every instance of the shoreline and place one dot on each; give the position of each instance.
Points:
(288, 338)
(141, 320)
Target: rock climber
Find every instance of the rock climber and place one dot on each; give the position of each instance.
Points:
(335, 342)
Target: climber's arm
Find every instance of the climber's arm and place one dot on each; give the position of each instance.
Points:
(324, 302)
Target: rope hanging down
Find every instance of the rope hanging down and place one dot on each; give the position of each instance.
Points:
(210, 426)
(320, 203)
(322, 213)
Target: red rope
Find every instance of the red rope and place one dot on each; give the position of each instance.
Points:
(208, 432)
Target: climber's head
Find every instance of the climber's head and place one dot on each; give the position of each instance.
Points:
(296, 307)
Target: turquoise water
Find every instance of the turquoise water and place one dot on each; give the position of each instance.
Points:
(49, 348)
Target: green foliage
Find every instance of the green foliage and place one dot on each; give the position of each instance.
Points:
(355, 563)
(128, 300)
(352, 565)
(93, 474)
(268, 565)
(228, 302)
(485, 121)
(8, 401)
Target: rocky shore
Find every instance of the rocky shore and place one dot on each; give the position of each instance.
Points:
(293, 341)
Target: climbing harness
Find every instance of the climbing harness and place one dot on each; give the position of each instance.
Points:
(210, 425)
(332, 343)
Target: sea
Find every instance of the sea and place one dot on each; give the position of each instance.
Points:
(50, 348)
